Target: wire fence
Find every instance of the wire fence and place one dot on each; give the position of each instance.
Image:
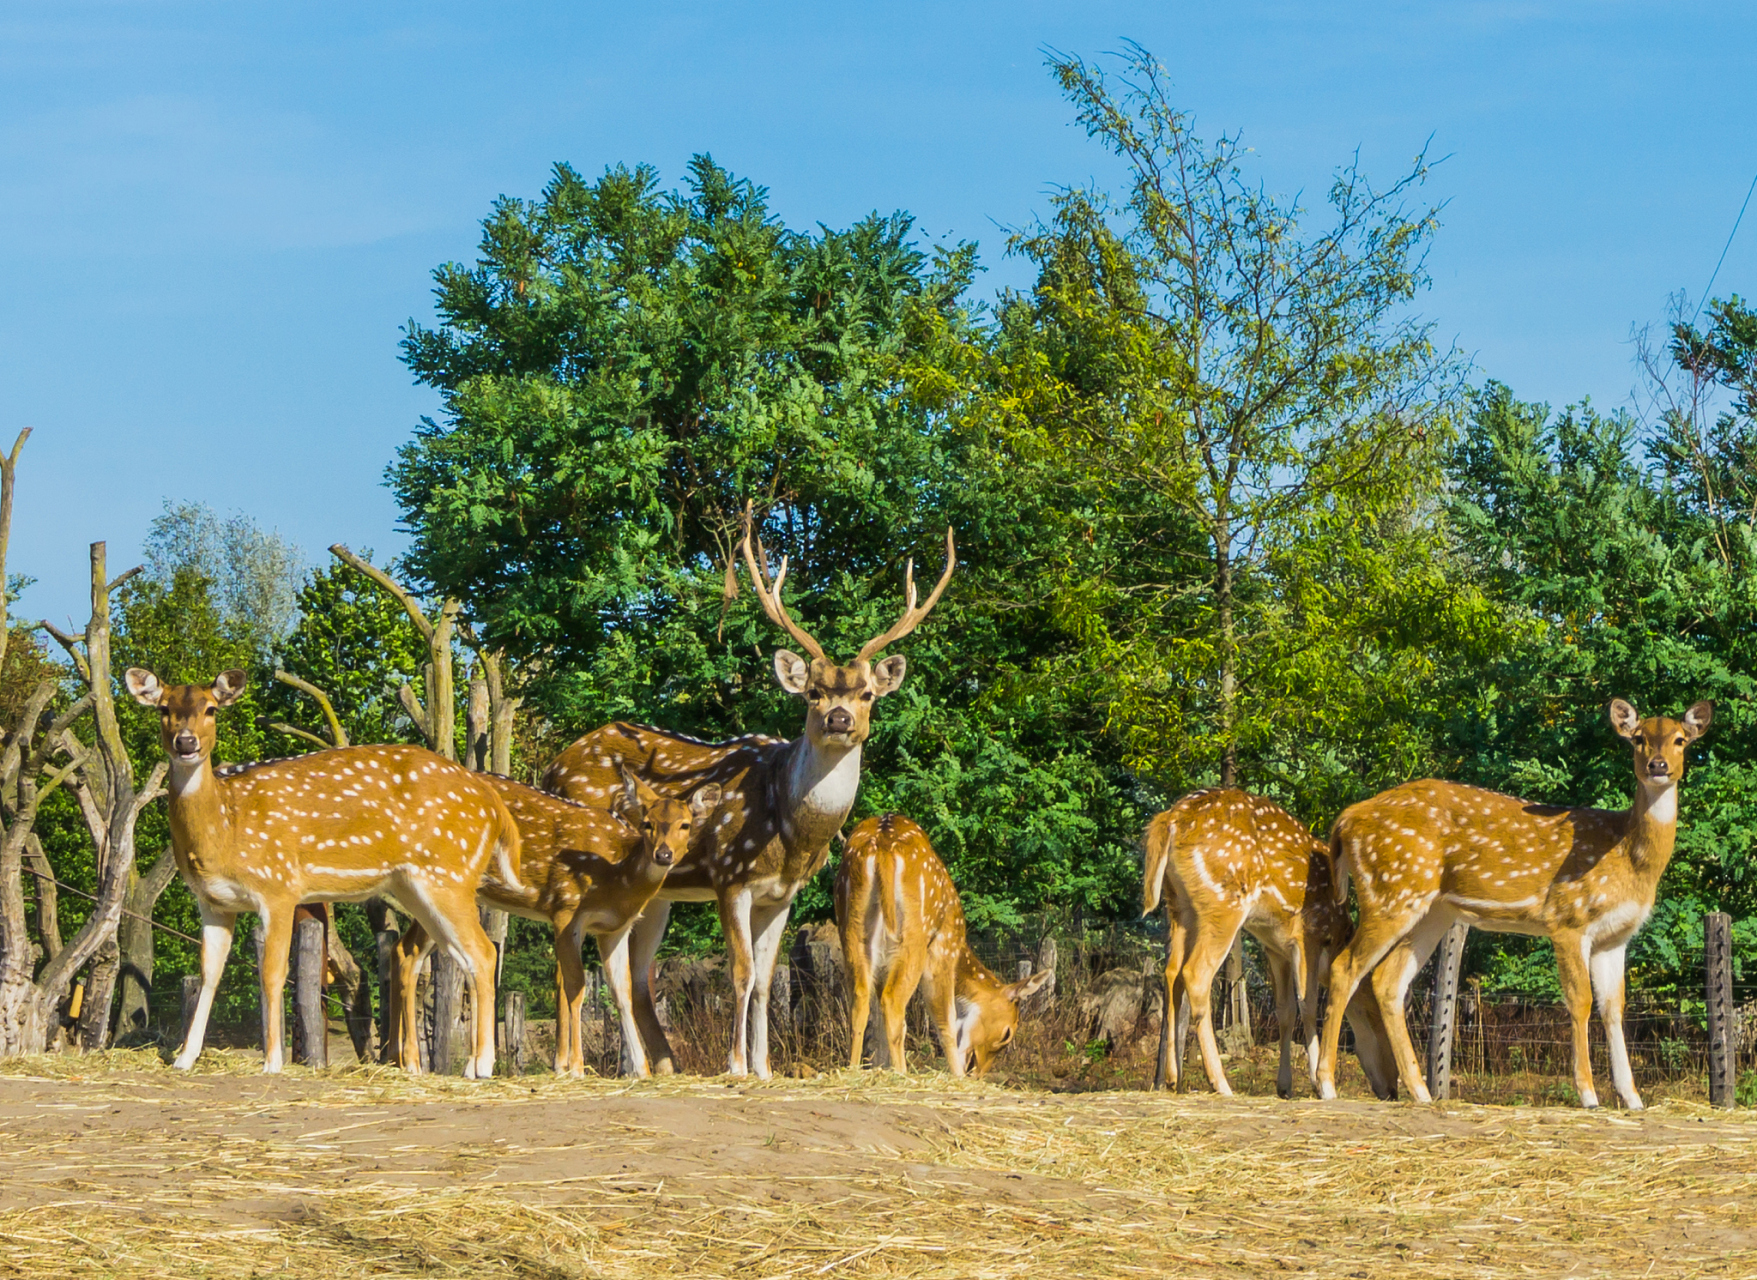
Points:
(1098, 1024)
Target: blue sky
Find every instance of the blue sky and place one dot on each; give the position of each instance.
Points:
(216, 218)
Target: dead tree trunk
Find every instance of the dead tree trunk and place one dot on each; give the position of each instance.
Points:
(29, 1003)
(134, 943)
(437, 718)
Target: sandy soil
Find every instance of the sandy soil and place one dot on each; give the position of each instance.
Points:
(125, 1168)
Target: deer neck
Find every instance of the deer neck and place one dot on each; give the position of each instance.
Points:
(821, 783)
(197, 812)
(1653, 827)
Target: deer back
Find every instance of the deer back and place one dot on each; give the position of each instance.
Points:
(338, 823)
(1225, 850)
(749, 835)
(1498, 858)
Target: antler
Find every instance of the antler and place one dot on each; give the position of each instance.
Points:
(770, 594)
(911, 615)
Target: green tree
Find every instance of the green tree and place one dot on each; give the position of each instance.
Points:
(355, 643)
(1243, 422)
(1620, 579)
(624, 367)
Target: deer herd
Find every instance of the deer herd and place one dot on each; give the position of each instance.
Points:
(630, 819)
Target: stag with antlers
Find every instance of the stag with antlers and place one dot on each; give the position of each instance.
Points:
(781, 803)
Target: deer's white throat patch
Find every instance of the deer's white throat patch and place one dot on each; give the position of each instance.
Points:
(187, 779)
(824, 784)
(1664, 806)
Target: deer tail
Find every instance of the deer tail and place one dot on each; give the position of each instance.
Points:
(1338, 866)
(506, 844)
(1156, 846)
(886, 888)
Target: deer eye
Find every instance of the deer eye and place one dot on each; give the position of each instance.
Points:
(1639, 741)
(209, 711)
(1678, 741)
(866, 695)
(814, 695)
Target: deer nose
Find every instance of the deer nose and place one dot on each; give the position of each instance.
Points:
(840, 720)
(663, 856)
(1657, 767)
(186, 743)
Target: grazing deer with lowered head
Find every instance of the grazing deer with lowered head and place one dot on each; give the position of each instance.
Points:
(585, 871)
(902, 923)
(1428, 854)
(781, 802)
(334, 826)
(1223, 860)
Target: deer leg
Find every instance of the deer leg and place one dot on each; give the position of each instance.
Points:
(643, 945)
(909, 968)
(450, 918)
(769, 923)
(613, 950)
(1607, 984)
(1571, 968)
(1375, 936)
(1391, 986)
(570, 992)
(858, 960)
(1313, 962)
(735, 924)
(277, 943)
(1286, 1015)
(216, 945)
(405, 1019)
(1207, 953)
(1372, 1044)
(1174, 1021)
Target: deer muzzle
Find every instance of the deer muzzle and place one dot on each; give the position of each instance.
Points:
(839, 720)
(186, 745)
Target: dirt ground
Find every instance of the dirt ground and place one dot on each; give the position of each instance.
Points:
(118, 1166)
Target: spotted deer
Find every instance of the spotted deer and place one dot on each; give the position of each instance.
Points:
(1221, 860)
(333, 826)
(1428, 854)
(902, 924)
(781, 802)
(584, 870)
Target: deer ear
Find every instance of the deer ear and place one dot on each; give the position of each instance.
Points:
(1698, 718)
(1025, 988)
(629, 802)
(1623, 718)
(228, 685)
(791, 671)
(704, 800)
(887, 675)
(144, 685)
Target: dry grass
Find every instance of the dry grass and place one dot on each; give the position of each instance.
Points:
(995, 1182)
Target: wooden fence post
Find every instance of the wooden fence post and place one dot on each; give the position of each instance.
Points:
(448, 990)
(1443, 1019)
(1717, 951)
(781, 1004)
(515, 1032)
(256, 939)
(387, 959)
(310, 1021)
(191, 993)
(1237, 1037)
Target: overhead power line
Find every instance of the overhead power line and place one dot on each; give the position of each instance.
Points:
(1723, 251)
